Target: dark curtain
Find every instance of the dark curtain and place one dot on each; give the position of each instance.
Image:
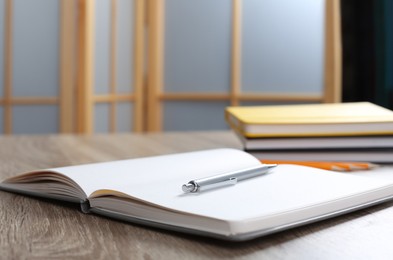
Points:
(367, 33)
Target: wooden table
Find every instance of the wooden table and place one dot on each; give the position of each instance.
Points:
(36, 228)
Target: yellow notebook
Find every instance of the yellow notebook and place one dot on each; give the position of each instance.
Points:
(338, 119)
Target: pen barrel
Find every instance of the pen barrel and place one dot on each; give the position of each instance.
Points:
(229, 178)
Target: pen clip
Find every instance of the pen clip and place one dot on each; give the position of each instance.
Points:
(230, 181)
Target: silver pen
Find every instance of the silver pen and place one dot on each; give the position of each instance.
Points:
(229, 178)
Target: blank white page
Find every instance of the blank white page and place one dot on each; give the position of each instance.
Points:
(286, 188)
(131, 175)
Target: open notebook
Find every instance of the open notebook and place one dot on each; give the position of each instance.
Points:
(148, 191)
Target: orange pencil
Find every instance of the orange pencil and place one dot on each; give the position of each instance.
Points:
(332, 166)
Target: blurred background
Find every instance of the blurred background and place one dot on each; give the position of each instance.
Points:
(105, 66)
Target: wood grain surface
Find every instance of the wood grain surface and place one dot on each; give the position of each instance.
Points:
(32, 228)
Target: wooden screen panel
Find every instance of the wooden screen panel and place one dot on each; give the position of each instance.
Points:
(331, 62)
(71, 81)
(26, 63)
(236, 94)
(79, 79)
(27, 60)
(118, 71)
(190, 54)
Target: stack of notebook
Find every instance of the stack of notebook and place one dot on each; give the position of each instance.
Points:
(359, 131)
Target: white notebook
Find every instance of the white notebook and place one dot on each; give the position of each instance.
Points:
(148, 191)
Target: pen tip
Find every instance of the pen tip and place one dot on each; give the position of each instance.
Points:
(188, 187)
(271, 165)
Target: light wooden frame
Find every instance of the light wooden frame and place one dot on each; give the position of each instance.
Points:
(67, 66)
(332, 71)
(65, 101)
(333, 53)
(155, 64)
(87, 100)
(77, 100)
(85, 66)
(76, 69)
(7, 95)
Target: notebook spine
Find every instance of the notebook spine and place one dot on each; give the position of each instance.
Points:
(85, 206)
